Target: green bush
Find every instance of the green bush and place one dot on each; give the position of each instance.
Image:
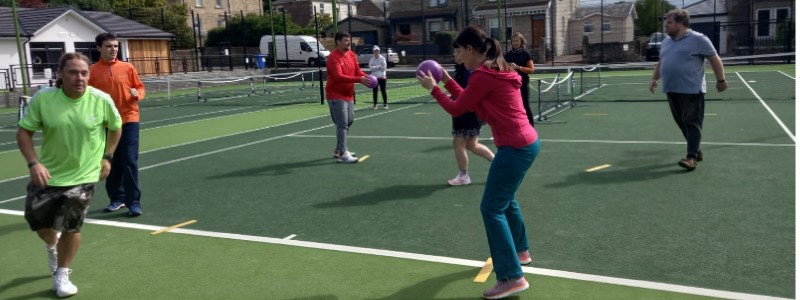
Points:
(444, 39)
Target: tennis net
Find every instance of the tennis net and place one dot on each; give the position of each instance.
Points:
(768, 77)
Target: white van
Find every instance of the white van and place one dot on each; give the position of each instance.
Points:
(302, 49)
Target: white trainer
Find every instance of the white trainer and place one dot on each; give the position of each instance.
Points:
(460, 180)
(52, 257)
(347, 159)
(61, 283)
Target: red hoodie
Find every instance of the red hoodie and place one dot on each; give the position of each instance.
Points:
(343, 73)
(495, 97)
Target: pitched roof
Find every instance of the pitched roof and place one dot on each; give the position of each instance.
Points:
(620, 10)
(32, 20)
(707, 8)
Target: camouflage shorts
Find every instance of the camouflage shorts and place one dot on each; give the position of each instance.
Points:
(59, 207)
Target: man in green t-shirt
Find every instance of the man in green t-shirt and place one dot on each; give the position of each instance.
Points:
(80, 127)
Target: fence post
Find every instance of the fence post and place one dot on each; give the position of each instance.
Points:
(185, 66)
(158, 67)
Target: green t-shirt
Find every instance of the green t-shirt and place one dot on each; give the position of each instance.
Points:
(74, 133)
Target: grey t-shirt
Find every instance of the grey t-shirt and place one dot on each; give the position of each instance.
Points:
(682, 63)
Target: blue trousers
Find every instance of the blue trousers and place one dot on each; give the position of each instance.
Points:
(122, 183)
(502, 217)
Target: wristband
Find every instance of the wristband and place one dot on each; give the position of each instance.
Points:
(108, 157)
(721, 80)
(32, 163)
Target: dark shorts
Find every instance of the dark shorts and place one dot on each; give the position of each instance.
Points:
(466, 133)
(62, 208)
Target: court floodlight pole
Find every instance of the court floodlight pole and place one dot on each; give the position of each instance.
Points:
(22, 56)
(285, 36)
(319, 66)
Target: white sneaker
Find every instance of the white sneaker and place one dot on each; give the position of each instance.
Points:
(460, 180)
(52, 257)
(374, 107)
(386, 106)
(61, 283)
(347, 159)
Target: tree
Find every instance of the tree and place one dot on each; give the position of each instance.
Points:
(92, 5)
(650, 14)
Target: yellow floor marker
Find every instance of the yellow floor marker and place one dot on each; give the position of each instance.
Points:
(595, 114)
(162, 230)
(598, 168)
(422, 113)
(485, 272)
(711, 114)
(363, 158)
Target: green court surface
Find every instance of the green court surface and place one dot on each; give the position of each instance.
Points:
(277, 218)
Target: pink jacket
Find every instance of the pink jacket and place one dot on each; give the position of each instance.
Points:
(495, 97)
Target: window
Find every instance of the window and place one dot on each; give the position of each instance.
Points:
(405, 29)
(45, 56)
(218, 3)
(90, 50)
(606, 26)
(434, 3)
(763, 22)
(588, 27)
(769, 20)
(322, 8)
(198, 3)
(494, 29)
(436, 25)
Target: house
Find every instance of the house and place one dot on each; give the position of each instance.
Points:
(544, 23)
(611, 23)
(369, 30)
(757, 27)
(531, 18)
(210, 14)
(302, 11)
(48, 33)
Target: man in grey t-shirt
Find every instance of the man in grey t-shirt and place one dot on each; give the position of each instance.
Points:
(681, 65)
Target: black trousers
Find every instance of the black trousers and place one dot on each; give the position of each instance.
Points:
(687, 111)
(382, 86)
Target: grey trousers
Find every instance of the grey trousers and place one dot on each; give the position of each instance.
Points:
(343, 116)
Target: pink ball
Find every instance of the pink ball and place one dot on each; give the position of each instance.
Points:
(373, 81)
(432, 66)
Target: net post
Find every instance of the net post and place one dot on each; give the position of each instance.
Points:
(264, 80)
(199, 91)
(539, 95)
(252, 87)
(23, 105)
(169, 89)
(303, 80)
(321, 90)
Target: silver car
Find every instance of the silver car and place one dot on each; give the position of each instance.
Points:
(365, 54)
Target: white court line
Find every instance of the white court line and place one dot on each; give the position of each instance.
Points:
(436, 259)
(12, 199)
(549, 140)
(787, 75)
(785, 129)
(290, 237)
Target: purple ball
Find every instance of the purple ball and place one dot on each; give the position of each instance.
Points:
(432, 66)
(373, 81)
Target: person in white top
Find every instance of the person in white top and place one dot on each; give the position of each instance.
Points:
(377, 64)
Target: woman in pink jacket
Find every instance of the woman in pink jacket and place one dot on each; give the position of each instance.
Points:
(494, 95)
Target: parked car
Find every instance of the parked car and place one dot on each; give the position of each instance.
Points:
(654, 46)
(392, 58)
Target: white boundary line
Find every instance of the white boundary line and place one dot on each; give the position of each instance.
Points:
(549, 140)
(436, 259)
(785, 129)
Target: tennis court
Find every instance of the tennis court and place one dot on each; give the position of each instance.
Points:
(277, 218)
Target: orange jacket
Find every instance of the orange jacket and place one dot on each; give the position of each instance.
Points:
(117, 78)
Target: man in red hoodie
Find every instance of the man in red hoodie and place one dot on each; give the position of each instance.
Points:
(120, 80)
(343, 74)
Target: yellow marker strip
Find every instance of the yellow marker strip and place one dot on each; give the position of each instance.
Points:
(422, 113)
(363, 158)
(598, 168)
(711, 114)
(485, 272)
(162, 230)
(595, 114)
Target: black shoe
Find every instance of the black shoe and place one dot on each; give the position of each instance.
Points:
(699, 156)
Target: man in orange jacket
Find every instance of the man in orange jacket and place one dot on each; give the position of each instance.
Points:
(120, 80)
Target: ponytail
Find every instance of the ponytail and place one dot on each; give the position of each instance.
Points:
(494, 59)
